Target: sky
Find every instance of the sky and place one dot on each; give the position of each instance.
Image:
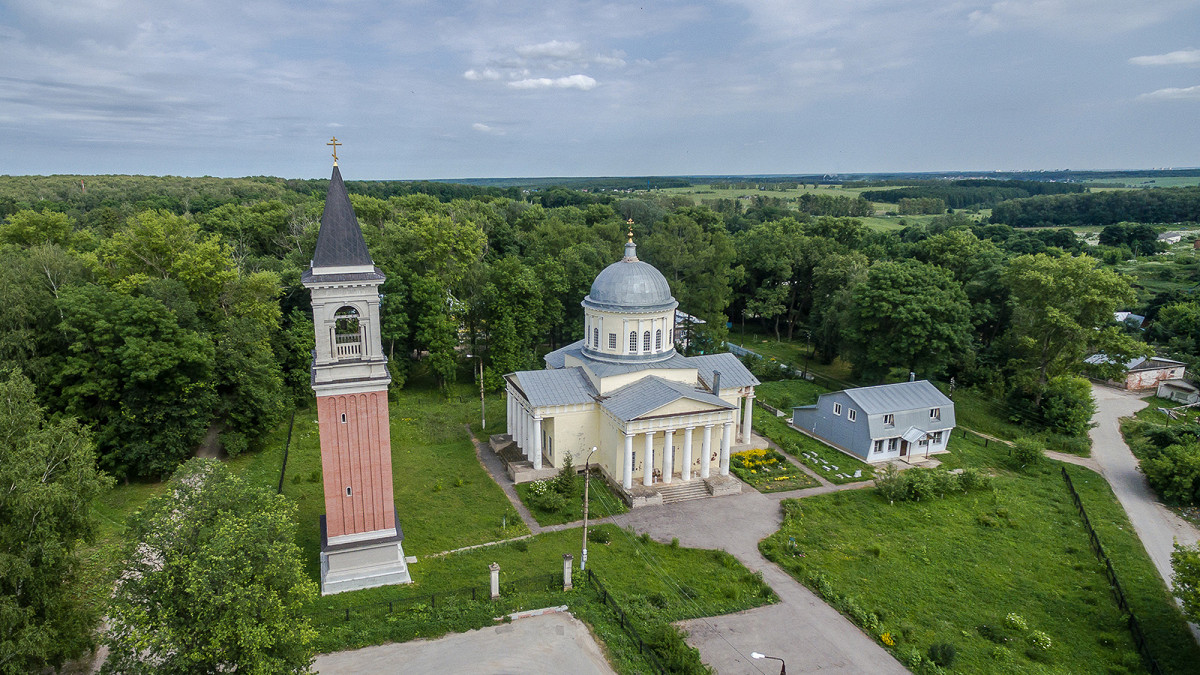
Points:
(504, 88)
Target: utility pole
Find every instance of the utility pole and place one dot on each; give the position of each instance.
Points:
(587, 482)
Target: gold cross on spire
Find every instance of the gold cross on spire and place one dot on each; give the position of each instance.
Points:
(334, 142)
(630, 223)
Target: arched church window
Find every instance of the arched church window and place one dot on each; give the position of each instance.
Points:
(347, 339)
(658, 340)
(646, 341)
(596, 338)
(633, 342)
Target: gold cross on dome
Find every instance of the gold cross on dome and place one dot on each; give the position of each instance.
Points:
(630, 223)
(334, 142)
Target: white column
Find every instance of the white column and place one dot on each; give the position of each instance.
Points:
(747, 430)
(725, 439)
(648, 462)
(627, 475)
(527, 432)
(518, 426)
(537, 442)
(706, 451)
(687, 453)
(508, 419)
(668, 456)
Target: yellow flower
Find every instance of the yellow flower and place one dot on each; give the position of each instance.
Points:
(888, 639)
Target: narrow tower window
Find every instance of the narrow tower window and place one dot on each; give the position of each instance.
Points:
(596, 338)
(343, 418)
(349, 492)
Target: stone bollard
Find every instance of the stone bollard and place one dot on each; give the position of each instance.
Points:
(495, 580)
(567, 558)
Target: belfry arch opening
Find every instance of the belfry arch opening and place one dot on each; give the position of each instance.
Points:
(347, 333)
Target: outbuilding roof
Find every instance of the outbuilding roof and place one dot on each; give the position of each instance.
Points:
(889, 398)
(651, 393)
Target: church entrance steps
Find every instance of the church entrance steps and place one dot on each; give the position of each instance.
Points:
(682, 492)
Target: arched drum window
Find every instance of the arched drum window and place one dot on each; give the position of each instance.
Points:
(633, 342)
(658, 340)
(596, 338)
(646, 341)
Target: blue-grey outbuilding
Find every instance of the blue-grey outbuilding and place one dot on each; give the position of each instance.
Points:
(907, 420)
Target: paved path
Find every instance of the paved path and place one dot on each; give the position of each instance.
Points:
(1156, 525)
(492, 463)
(809, 634)
(549, 643)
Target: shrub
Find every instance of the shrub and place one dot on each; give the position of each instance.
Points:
(234, 443)
(1027, 452)
(678, 657)
(550, 501)
(973, 479)
(888, 485)
(1015, 621)
(1174, 472)
(599, 535)
(942, 654)
(1040, 640)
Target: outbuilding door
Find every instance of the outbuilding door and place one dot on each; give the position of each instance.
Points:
(903, 447)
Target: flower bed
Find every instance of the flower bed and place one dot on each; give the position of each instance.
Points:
(768, 471)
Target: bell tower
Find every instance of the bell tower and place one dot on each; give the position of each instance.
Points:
(360, 535)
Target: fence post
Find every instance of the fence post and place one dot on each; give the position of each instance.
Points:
(567, 558)
(495, 569)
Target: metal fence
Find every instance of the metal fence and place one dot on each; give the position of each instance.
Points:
(1135, 627)
(628, 627)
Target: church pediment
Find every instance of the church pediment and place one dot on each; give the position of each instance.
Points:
(653, 396)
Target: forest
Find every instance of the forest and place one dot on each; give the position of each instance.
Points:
(165, 313)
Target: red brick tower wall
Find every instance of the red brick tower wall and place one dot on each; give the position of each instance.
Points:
(356, 454)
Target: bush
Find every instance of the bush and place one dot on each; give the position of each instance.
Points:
(942, 654)
(1027, 452)
(973, 479)
(1015, 621)
(1067, 405)
(599, 535)
(551, 501)
(1174, 472)
(234, 443)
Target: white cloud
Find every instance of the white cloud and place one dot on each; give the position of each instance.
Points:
(1172, 94)
(485, 74)
(554, 49)
(582, 82)
(1176, 58)
(483, 128)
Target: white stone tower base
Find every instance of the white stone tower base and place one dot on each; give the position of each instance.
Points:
(362, 562)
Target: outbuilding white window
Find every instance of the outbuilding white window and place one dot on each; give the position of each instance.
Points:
(852, 414)
(633, 342)
(935, 413)
(937, 438)
(879, 445)
(837, 408)
(889, 420)
(612, 340)
(892, 444)
(646, 341)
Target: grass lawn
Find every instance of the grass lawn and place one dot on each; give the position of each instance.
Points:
(786, 394)
(796, 444)
(654, 583)
(951, 570)
(602, 502)
(766, 470)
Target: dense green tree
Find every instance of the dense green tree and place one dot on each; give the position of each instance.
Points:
(212, 583)
(30, 228)
(48, 477)
(693, 251)
(132, 372)
(907, 314)
(1062, 310)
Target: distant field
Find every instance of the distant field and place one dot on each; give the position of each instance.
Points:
(1149, 182)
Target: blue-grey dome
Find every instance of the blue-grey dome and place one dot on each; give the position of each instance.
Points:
(630, 285)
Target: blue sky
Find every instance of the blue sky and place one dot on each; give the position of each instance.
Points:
(583, 88)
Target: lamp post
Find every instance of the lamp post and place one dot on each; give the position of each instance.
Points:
(587, 482)
(482, 412)
(782, 665)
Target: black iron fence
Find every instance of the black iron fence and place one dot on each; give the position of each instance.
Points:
(1135, 627)
(626, 625)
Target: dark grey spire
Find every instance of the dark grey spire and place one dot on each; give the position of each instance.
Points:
(340, 240)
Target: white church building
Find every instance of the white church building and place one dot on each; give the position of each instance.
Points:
(662, 423)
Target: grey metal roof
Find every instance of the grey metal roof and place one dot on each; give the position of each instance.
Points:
(733, 372)
(888, 398)
(307, 276)
(651, 393)
(340, 240)
(630, 285)
(564, 386)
